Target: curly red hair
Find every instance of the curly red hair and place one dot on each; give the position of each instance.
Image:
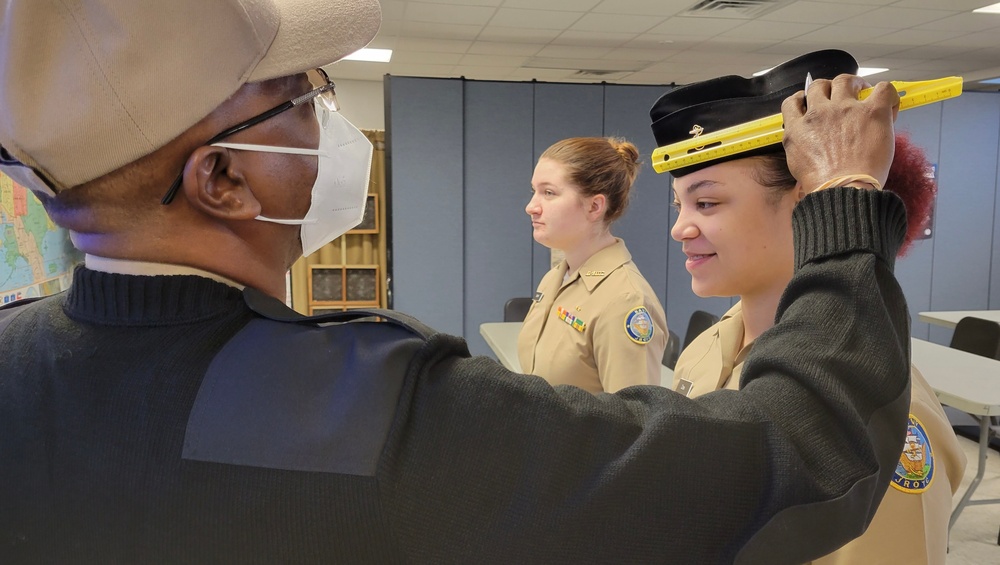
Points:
(911, 178)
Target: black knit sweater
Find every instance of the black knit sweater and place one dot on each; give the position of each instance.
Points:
(477, 465)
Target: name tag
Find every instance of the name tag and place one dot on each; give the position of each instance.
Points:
(684, 387)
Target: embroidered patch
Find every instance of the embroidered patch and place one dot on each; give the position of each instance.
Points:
(639, 326)
(574, 322)
(915, 470)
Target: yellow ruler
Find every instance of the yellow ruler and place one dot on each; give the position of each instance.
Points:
(768, 131)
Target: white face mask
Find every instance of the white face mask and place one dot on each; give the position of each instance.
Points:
(341, 188)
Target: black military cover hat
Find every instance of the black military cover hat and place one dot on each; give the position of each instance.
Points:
(722, 102)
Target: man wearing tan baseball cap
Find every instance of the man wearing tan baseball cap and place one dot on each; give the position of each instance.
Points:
(169, 408)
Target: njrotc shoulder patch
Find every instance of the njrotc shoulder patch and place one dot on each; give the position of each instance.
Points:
(639, 326)
(915, 470)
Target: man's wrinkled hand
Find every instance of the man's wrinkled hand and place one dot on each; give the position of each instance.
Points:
(830, 134)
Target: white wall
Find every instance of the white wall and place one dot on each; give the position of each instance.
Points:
(361, 102)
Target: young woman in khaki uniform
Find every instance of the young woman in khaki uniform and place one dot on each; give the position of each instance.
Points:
(735, 222)
(595, 322)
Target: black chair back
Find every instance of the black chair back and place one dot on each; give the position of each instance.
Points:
(977, 336)
(699, 322)
(673, 350)
(516, 309)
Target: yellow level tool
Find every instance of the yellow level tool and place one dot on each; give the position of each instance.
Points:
(767, 131)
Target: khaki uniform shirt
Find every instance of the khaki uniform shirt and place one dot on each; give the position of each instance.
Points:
(600, 328)
(911, 524)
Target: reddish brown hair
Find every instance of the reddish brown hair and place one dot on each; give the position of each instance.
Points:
(911, 178)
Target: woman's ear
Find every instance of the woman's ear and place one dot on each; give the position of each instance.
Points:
(596, 207)
(214, 184)
(800, 192)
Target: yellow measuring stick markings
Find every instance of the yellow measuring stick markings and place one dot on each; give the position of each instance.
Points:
(768, 131)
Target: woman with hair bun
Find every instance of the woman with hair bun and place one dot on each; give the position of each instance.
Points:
(595, 322)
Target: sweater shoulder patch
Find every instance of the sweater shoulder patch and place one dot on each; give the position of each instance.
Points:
(302, 397)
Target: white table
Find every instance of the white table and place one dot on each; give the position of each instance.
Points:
(967, 382)
(950, 319)
(502, 339)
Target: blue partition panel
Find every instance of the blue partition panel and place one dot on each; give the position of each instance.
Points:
(645, 225)
(498, 162)
(561, 111)
(963, 236)
(425, 150)
(994, 300)
(923, 126)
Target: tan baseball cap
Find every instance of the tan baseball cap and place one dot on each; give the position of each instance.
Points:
(87, 86)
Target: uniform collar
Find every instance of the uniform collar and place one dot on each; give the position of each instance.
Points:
(601, 264)
(729, 332)
(128, 267)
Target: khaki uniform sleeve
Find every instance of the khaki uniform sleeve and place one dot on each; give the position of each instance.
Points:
(622, 361)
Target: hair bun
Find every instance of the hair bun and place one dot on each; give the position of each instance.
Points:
(628, 151)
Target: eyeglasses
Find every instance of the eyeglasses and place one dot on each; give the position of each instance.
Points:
(324, 94)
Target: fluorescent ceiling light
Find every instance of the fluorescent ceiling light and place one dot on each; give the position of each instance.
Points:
(372, 55)
(991, 9)
(862, 71)
(990, 81)
(868, 71)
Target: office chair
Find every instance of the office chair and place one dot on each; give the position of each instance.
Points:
(673, 350)
(699, 322)
(977, 336)
(516, 309)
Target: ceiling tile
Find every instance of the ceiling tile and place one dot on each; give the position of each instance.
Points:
(773, 31)
(493, 60)
(615, 23)
(815, 13)
(644, 7)
(956, 5)
(534, 19)
(898, 18)
(561, 5)
(593, 38)
(517, 34)
(440, 31)
(869, 2)
(972, 40)
(493, 3)
(706, 27)
(432, 45)
(448, 14)
(966, 22)
(392, 10)
(499, 48)
(915, 37)
(844, 34)
(540, 74)
(416, 57)
(573, 51)
(642, 54)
